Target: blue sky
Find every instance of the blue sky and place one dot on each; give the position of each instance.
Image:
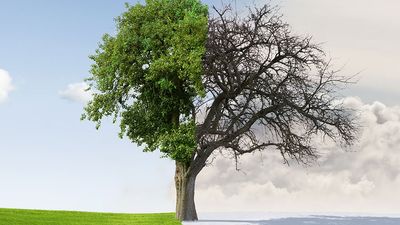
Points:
(50, 159)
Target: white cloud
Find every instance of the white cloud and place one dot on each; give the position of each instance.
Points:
(365, 179)
(77, 92)
(5, 85)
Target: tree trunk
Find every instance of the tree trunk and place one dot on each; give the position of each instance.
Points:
(185, 185)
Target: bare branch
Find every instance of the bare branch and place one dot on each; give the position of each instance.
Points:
(267, 88)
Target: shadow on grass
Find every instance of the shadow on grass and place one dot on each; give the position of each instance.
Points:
(317, 220)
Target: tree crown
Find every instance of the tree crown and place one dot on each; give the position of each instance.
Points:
(149, 73)
(189, 85)
(267, 88)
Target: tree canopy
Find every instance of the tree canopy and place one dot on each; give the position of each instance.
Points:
(149, 73)
(267, 88)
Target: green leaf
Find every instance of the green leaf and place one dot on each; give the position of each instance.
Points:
(168, 36)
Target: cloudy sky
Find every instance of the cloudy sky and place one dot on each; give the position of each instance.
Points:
(49, 159)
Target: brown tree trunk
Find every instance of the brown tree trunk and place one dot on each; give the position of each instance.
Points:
(185, 186)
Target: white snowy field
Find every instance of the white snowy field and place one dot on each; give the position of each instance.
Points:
(294, 219)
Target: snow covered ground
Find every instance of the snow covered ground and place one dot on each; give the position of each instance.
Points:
(293, 219)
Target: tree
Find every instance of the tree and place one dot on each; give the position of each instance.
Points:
(191, 86)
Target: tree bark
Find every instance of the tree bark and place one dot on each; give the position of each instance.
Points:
(185, 187)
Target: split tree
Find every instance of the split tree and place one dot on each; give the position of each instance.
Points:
(191, 85)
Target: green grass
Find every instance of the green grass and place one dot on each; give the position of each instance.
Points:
(43, 217)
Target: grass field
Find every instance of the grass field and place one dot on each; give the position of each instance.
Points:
(43, 217)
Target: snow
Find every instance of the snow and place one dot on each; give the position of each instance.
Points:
(294, 219)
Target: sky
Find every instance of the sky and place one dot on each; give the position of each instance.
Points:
(49, 159)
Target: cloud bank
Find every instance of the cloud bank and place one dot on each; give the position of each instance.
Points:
(364, 179)
(77, 92)
(5, 85)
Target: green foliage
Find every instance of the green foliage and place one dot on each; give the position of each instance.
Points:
(150, 72)
(42, 217)
(180, 140)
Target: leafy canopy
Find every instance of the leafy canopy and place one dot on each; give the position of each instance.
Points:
(149, 73)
